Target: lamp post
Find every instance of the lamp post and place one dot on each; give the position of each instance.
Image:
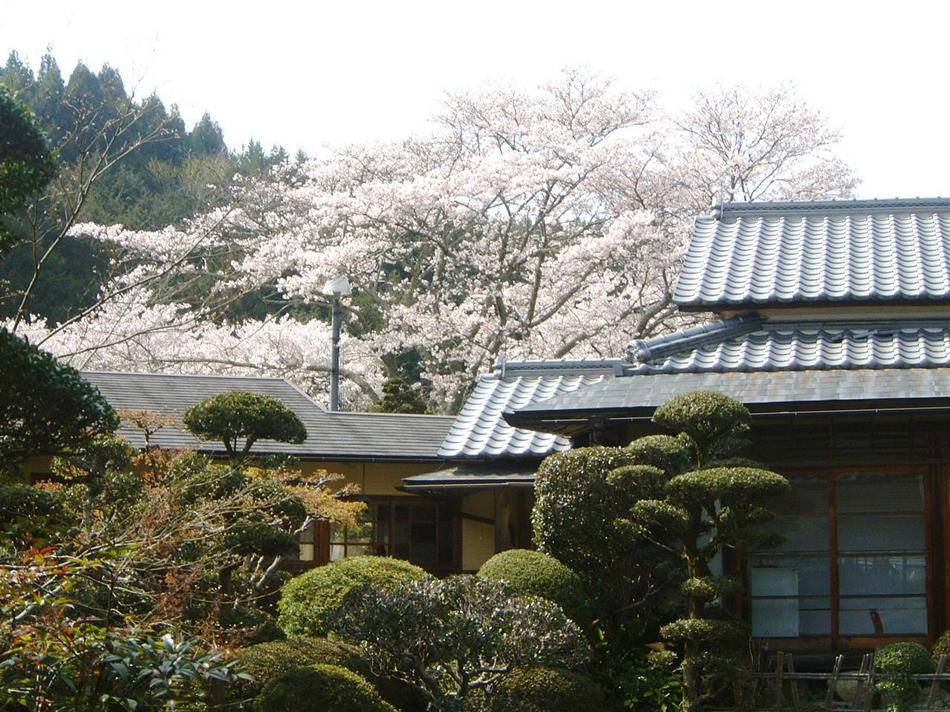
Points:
(336, 288)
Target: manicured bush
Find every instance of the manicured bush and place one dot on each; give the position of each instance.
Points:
(307, 600)
(942, 646)
(902, 660)
(319, 688)
(267, 661)
(669, 453)
(546, 689)
(537, 574)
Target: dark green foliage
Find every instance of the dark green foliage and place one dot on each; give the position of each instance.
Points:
(739, 485)
(260, 538)
(308, 600)
(400, 397)
(942, 646)
(716, 504)
(45, 406)
(668, 453)
(28, 514)
(715, 423)
(266, 661)
(454, 637)
(652, 683)
(534, 573)
(578, 519)
(319, 688)
(241, 416)
(547, 689)
(26, 165)
(900, 660)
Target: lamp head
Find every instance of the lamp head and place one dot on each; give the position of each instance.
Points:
(338, 287)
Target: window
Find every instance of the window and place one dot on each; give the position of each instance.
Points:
(412, 528)
(853, 561)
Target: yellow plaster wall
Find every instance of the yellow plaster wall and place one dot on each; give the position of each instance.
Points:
(478, 537)
(379, 478)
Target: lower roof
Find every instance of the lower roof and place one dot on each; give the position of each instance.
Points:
(771, 366)
(779, 391)
(330, 435)
(468, 478)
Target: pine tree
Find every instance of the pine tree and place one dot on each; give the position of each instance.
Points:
(711, 502)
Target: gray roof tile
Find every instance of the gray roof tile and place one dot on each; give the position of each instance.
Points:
(754, 345)
(836, 251)
(480, 430)
(754, 389)
(330, 435)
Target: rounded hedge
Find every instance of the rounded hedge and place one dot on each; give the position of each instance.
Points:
(544, 689)
(537, 574)
(266, 661)
(672, 454)
(319, 688)
(308, 600)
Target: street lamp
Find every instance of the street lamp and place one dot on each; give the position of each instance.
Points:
(337, 288)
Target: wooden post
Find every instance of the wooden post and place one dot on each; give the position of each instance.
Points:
(793, 683)
(869, 693)
(779, 670)
(935, 686)
(833, 682)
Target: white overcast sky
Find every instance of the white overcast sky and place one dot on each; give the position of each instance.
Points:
(310, 74)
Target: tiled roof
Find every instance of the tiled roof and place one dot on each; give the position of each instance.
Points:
(780, 388)
(756, 254)
(751, 344)
(480, 430)
(330, 435)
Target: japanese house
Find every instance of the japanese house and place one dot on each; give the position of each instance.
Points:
(831, 322)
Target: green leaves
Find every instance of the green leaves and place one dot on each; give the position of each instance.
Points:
(711, 420)
(239, 415)
(451, 637)
(26, 164)
(45, 406)
(732, 486)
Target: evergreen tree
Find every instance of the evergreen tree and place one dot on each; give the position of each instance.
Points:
(206, 138)
(710, 502)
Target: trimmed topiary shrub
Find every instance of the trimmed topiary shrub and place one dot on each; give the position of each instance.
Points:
(546, 689)
(307, 600)
(319, 688)
(902, 660)
(266, 661)
(537, 574)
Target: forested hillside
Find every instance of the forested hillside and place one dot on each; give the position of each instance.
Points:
(174, 173)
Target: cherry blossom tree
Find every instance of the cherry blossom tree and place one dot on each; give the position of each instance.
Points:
(526, 224)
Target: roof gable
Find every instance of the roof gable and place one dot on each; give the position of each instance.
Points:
(832, 252)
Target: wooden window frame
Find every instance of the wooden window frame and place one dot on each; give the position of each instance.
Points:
(835, 640)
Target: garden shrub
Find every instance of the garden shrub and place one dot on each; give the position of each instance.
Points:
(902, 660)
(266, 661)
(537, 574)
(942, 646)
(308, 600)
(546, 689)
(319, 688)
(653, 683)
